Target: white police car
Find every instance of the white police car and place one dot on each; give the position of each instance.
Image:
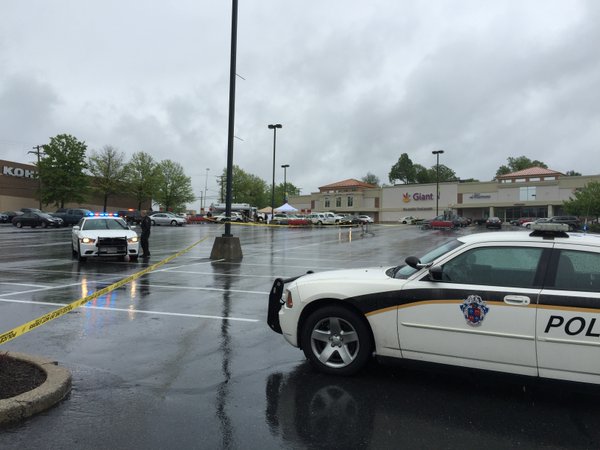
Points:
(518, 302)
(102, 235)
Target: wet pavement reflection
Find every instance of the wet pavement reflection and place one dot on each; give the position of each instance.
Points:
(182, 357)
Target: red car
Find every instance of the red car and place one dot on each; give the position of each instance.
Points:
(440, 222)
(197, 218)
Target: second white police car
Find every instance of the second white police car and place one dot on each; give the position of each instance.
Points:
(518, 302)
(102, 235)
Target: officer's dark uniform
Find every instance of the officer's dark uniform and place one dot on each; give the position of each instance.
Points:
(146, 225)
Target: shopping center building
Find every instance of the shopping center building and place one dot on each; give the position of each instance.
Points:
(534, 192)
(19, 186)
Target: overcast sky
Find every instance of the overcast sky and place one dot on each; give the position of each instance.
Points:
(354, 83)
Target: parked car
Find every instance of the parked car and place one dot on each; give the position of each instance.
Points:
(530, 224)
(131, 216)
(104, 235)
(571, 221)
(3, 218)
(295, 220)
(165, 218)
(279, 219)
(197, 218)
(235, 217)
(12, 214)
(71, 216)
(35, 219)
(440, 223)
(365, 218)
(512, 302)
(350, 220)
(493, 222)
(318, 218)
(409, 220)
(26, 210)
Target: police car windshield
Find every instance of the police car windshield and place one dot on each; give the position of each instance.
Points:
(105, 224)
(406, 271)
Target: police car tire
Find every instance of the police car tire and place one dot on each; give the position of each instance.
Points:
(79, 257)
(359, 350)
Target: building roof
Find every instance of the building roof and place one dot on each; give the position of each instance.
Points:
(346, 184)
(531, 172)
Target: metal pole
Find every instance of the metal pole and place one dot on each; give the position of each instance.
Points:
(437, 182)
(205, 186)
(274, 128)
(232, 70)
(285, 196)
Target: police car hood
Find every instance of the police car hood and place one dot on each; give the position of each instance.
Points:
(345, 283)
(95, 234)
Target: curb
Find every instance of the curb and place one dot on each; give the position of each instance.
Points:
(52, 391)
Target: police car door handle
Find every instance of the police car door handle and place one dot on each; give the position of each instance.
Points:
(517, 300)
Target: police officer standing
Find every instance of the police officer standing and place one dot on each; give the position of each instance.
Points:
(146, 225)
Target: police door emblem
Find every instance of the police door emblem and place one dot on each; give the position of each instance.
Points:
(474, 309)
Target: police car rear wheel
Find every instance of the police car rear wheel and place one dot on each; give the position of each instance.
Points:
(336, 340)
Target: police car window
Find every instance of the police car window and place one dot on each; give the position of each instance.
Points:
(578, 271)
(406, 271)
(496, 266)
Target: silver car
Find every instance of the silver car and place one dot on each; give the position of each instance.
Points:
(165, 218)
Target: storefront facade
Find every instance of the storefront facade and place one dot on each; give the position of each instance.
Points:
(535, 192)
(19, 186)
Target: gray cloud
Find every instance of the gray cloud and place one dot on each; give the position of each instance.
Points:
(355, 84)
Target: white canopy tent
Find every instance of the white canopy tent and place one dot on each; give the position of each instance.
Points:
(285, 208)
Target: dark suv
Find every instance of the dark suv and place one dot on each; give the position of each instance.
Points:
(131, 216)
(572, 221)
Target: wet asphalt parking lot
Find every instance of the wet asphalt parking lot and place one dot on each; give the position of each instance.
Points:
(183, 358)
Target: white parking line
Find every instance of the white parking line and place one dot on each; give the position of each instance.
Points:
(140, 311)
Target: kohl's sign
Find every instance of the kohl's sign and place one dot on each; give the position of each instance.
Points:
(18, 172)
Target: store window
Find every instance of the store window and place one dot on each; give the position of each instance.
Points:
(527, 193)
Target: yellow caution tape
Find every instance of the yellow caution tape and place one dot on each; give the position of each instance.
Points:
(22, 329)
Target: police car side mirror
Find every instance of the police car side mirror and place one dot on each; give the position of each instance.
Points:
(75, 227)
(413, 262)
(435, 273)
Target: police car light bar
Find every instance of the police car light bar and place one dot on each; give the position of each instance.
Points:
(102, 214)
(550, 230)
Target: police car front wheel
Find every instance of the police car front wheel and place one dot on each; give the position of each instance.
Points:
(336, 340)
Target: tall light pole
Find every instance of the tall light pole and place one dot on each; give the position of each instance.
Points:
(437, 178)
(39, 152)
(205, 185)
(274, 128)
(285, 196)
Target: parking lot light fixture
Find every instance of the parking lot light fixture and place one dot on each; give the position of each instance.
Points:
(274, 127)
(437, 179)
(285, 196)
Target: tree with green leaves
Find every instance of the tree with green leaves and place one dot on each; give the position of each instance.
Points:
(572, 173)
(585, 202)
(403, 171)
(281, 190)
(517, 164)
(174, 188)
(109, 171)
(142, 177)
(423, 175)
(62, 171)
(371, 179)
(248, 188)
